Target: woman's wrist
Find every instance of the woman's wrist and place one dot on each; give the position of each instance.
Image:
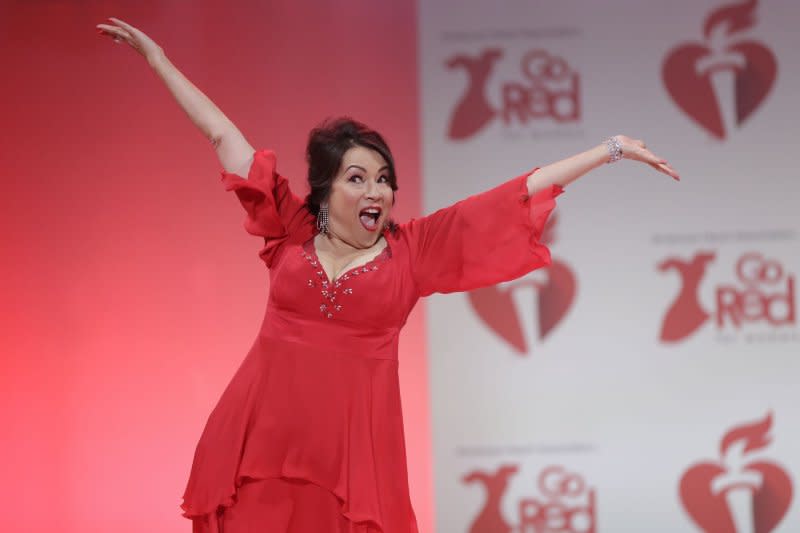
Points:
(157, 59)
(599, 154)
(613, 149)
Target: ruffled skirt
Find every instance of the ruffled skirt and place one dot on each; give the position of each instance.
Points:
(303, 441)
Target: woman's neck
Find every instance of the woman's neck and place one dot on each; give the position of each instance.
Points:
(342, 247)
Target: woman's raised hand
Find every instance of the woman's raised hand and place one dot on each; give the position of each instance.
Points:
(123, 32)
(233, 150)
(637, 151)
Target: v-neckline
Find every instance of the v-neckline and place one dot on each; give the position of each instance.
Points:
(311, 249)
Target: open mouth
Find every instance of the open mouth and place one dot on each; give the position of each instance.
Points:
(369, 218)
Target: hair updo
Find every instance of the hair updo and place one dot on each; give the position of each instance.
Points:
(326, 147)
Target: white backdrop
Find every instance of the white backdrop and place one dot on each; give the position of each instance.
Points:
(650, 382)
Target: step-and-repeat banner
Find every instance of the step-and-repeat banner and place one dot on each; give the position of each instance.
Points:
(648, 380)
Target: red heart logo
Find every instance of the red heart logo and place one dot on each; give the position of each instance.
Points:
(711, 512)
(497, 309)
(706, 488)
(556, 297)
(692, 92)
(689, 69)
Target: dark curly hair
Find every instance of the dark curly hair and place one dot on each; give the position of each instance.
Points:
(327, 144)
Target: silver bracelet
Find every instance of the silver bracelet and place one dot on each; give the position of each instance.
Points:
(614, 150)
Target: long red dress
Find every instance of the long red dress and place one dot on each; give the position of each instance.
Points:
(308, 435)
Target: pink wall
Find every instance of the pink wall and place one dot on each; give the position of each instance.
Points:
(131, 291)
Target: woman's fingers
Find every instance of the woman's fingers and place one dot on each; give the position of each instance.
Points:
(672, 172)
(637, 149)
(666, 169)
(658, 163)
(124, 25)
(119, 29)
(650, 157)
(135, 37)
(116, 33)
(105, 28)
(663, 166)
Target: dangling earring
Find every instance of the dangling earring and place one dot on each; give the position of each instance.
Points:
(322, 219)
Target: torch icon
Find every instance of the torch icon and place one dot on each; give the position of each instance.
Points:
(739, 486)
(722, 66)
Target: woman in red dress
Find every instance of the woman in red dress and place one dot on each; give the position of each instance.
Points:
(308, 435)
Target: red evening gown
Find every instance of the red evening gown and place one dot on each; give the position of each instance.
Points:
(308, 435)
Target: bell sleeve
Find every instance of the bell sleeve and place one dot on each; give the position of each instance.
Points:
(485, 239)
(273, 211)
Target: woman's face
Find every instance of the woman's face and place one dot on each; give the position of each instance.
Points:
(361, 198)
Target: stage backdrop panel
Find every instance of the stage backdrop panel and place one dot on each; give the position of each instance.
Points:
(130, 290)
(648, 379)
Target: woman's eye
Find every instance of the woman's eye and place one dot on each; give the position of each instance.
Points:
(383, 179)
(355, 178)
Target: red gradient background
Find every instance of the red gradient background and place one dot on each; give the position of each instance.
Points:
(130, 290)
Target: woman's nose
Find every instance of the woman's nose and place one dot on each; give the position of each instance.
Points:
(373, 191)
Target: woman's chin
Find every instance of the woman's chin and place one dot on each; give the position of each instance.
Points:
(361, 235)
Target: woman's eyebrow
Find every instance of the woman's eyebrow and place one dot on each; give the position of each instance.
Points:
(384, 167)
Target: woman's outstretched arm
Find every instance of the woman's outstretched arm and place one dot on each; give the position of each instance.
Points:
(233, 150)
(568, 170)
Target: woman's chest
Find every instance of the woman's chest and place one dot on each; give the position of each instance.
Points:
(377, 294)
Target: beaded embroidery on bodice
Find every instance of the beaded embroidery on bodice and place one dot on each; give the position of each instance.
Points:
(331, 289)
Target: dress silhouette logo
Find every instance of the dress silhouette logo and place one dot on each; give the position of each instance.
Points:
(720, 81)
(742, 492)
(764, 294)
(548, 89)
(527, 310)
(566, 505)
